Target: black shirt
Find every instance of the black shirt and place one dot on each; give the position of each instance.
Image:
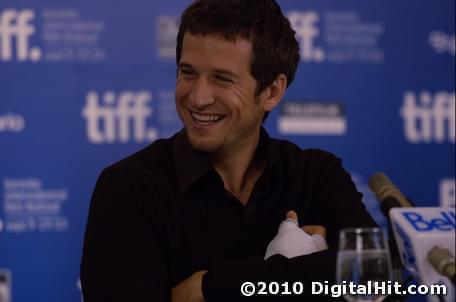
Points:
(162, 214)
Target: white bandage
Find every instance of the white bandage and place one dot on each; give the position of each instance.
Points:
(291, 241)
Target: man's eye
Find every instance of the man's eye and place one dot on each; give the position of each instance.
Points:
(224, 79)
(186, 72)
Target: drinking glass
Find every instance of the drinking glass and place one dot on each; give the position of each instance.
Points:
(363, 259)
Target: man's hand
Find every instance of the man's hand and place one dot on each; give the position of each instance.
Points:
(309, 229)
(292, 241)
(189, 290)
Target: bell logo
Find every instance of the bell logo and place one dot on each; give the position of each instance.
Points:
(304, 23)
(444, 221)
(429, 118)
(109, 120)
(15, 26)
(447, 192)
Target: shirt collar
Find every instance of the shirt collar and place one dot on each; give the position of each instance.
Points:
(192, 164)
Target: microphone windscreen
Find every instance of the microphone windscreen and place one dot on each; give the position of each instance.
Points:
(383, 188)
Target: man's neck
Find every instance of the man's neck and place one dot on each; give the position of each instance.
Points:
(240, 169)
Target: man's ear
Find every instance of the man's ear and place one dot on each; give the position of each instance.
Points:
(272, 94)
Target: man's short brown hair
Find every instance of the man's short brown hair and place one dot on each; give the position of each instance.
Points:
(275, 49)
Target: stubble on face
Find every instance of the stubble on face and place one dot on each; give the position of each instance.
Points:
(237, 100)
(232, 140)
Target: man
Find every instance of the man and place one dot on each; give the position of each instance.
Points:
(189, 218)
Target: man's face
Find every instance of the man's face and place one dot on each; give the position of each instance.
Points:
(215, 93)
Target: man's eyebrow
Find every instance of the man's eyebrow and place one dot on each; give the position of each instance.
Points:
(217, 70)
(185, 65)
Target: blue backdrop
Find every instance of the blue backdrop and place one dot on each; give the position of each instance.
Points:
(84, 83)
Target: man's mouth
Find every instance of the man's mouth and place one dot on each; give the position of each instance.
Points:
(206, 119)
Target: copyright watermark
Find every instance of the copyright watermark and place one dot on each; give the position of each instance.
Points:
(384, 288)
(249, 289)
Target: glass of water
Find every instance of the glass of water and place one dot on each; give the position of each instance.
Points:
(363, 262)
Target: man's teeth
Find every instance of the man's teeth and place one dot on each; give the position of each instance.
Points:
(206, 117)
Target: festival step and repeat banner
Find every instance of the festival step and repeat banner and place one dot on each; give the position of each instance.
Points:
(86, 83)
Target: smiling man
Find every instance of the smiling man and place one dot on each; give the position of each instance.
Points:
(191, 217)
(222, 113)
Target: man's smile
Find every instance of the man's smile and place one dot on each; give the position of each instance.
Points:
(206, 118)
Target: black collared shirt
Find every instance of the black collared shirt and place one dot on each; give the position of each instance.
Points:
(162, 214)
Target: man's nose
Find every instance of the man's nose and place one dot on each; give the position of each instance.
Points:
(202, 94)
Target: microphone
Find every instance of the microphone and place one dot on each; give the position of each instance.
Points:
(387, 193)
(389, 197)
(418, 235)
(442, 261)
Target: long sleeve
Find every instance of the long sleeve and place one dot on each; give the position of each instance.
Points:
(123, 258)
(223, 280)
(336, 204)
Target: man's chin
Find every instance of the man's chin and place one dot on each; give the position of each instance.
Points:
(204, 144)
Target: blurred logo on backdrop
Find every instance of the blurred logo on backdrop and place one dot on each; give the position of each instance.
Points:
(12, 122)
(447, 192)
(429, 117)
(337, 37)
(64, 36)
(119, 117)
(312, 118)
(16, 29)
(129, 116)
(5, 285)
(306, 26)
(167, 28)
(29, 206)
(442, 43)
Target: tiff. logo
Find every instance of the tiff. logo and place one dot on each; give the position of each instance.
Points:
(112, 118)
(305, 25)
(15, 31)
(429, 118)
